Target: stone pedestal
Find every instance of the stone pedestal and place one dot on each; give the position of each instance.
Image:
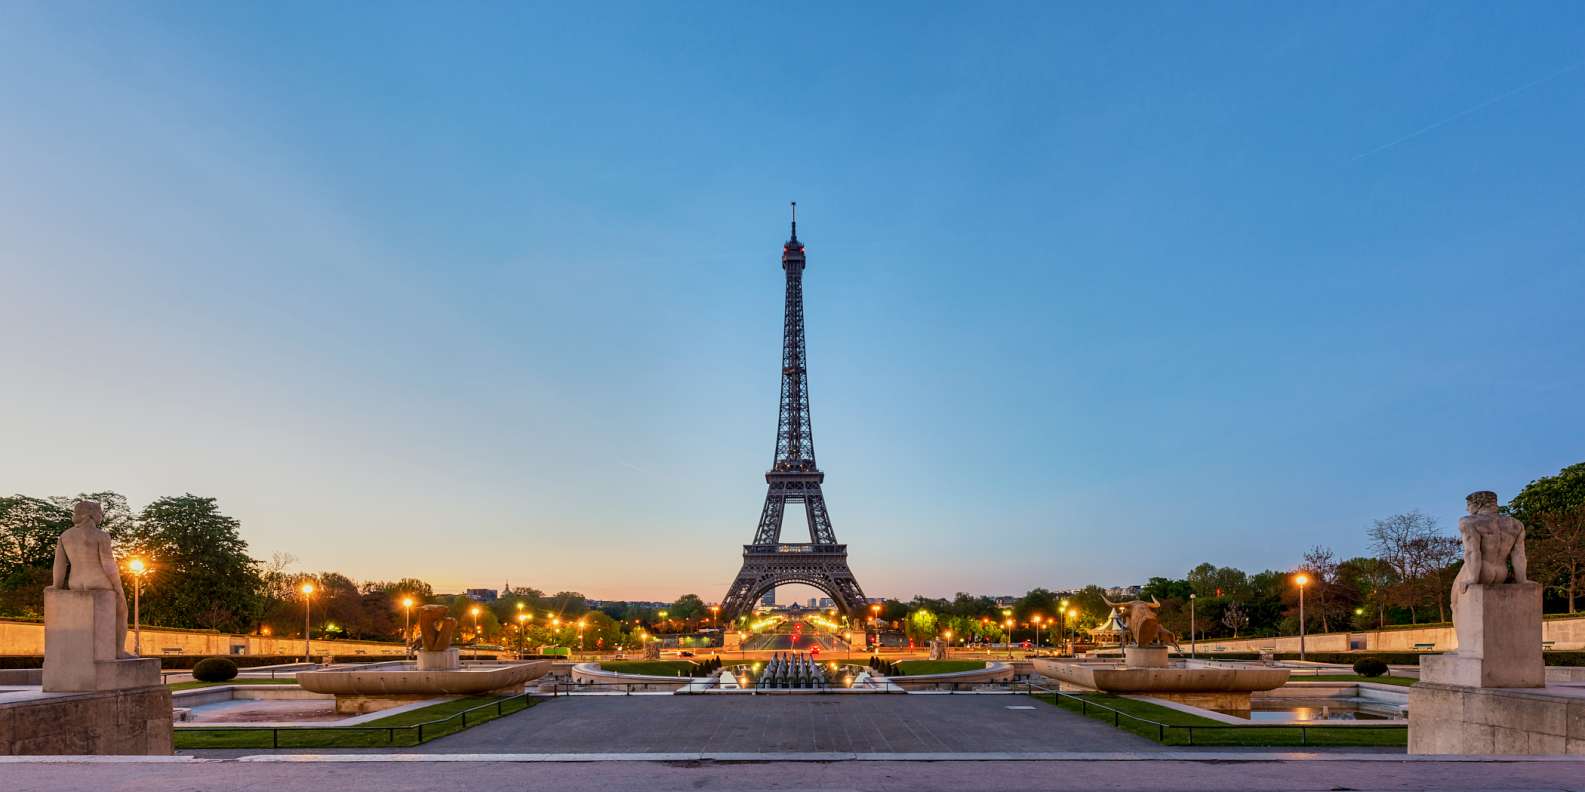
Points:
(443, 660)
(1499, 640)
(80, 651)
(652, 650)
(1144, 657)
(1455, 719)
(135, 721)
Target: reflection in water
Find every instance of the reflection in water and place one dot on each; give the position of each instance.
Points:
(1332, 709)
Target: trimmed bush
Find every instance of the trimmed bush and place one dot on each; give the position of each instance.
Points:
(215, 669)
(1370, 667)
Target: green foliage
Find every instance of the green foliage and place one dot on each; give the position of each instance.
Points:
(687, 607)
(29, 528)
(214, 669)
(203, 575)
(918, 667)
(1370, 667)
(1549, 494)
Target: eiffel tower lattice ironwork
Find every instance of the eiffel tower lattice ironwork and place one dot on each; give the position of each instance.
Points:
(793, 478)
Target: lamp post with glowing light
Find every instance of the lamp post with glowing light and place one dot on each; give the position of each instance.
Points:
(308, 606)
(138, 570)
(1192, 597)
(1303, 580)
(1071, 617)
(407, 626)
(1036, 619)
(522, 632)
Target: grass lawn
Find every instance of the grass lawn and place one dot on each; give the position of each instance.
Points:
(1245, 736)
(915, 667)
(651, 667)
(1385, 680)
(373, 734)
(175, 686)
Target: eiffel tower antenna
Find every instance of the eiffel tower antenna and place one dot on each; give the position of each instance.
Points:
(794, 478)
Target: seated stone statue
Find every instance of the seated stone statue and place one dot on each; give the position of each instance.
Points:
(1492, 543)
(86, 561)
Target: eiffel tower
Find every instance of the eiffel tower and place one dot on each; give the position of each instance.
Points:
(794, 478)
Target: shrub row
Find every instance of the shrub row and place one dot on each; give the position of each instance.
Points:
(885, 667)
(704, 667)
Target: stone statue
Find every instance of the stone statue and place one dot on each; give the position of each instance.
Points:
(1491, 542)
(85, 561)
(1144, 626)
(435, 628)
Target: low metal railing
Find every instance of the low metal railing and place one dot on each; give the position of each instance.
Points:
(1165, 729)
(419, 732)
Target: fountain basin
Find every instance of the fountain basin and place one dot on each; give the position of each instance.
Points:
(358, 691)
(1210, 688)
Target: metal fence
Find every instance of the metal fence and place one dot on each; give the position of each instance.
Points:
(417, 733)
(1163, 730)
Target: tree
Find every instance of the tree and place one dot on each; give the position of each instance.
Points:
(1558, 556)
(1373, 579)
(29, 528)
(1549, 495)
(1332, 599)
(1038, 602)
(1420, 555)
(687, 607)
(1546, 502)
(1234, 617)
(203, 575)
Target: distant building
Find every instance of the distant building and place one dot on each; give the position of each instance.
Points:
(812, 604)
(769, 600)
(481, 595)
(1122, 592)
(825, 602)
(1006, 602)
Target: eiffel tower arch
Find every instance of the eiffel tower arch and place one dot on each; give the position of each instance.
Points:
(794, 478)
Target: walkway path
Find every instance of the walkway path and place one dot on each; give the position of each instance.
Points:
(791, 723)
(1289, 773)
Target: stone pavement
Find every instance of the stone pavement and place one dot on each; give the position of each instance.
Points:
(845, 724)
(1152, 773)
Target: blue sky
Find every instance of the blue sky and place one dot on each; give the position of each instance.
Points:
(1094, 294)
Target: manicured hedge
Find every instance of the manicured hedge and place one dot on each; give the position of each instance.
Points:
(215, 669)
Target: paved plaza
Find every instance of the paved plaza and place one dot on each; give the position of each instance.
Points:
(1166, 771)
(811, 724)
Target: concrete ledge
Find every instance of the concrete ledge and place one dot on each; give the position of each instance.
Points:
(1453, 719)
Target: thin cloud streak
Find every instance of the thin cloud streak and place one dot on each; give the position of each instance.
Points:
(1461, 114)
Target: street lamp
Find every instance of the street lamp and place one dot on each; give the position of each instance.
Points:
(1008, 623)
(475, 611)
(1303, 580)
(407, 626)
(138, 570)
(308, 605)
(1036, 619)
(1071, 616)
(522, 631)
(1192, 597)
(581, 625)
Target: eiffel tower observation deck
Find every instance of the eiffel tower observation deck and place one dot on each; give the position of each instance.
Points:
(794, 477)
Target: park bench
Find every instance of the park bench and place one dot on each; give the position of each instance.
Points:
(1424, 647)
(1547, 645)
(171, 650)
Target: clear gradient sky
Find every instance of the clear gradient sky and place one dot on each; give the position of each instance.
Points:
(493, 294)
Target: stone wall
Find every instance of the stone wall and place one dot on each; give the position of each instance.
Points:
(135, 721)
(1445, 719)
(1565, 633)
(27, 638)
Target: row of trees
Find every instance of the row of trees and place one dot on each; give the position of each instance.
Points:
(205, 578)
(1406, 580)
